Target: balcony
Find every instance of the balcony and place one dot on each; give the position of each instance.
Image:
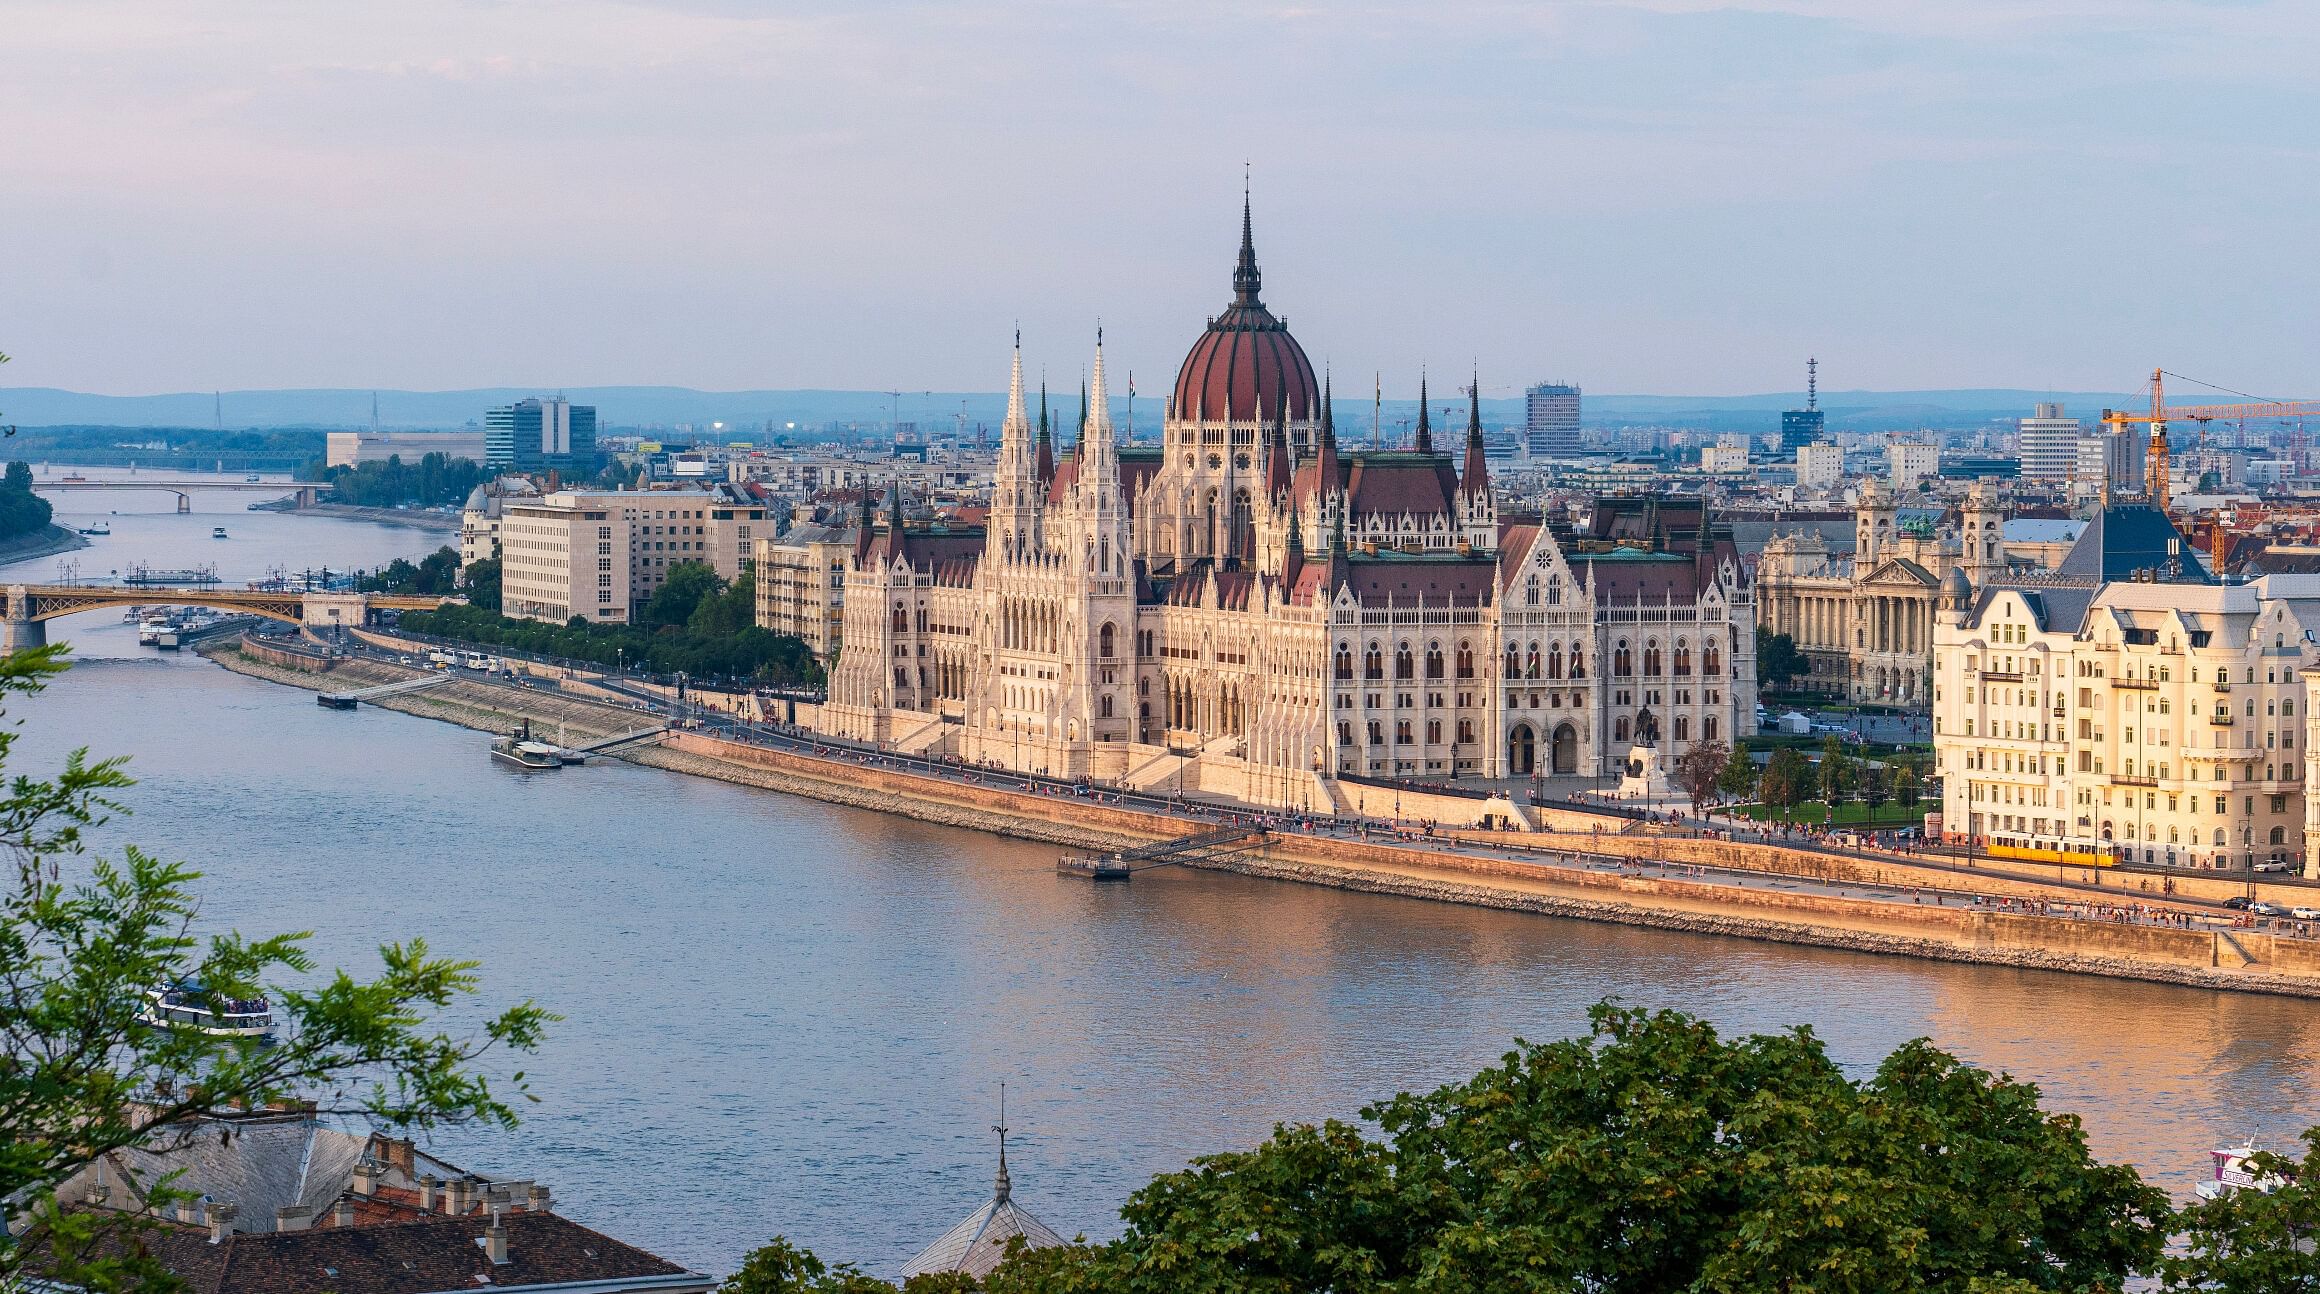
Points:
(2130, 779)
(2001, 676)
(2221, 685)
(2221, 720)
(2136, 684)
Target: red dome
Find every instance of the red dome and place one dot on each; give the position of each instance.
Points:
(1246, 364)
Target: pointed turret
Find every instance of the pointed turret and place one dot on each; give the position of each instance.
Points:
(1277, 466)
(1293, 562)
(894, 506)
(1425, 424)
(1098, 451)
(862, 529)
(1326, 474)
(1043, 464)
(1476, 479)
(1015, 415)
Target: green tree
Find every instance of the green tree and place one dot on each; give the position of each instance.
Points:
(674, 602)
(82, 941)
(1836, 771)
(1906, 784)
(482, 583)
(1788, 781)
(1699, 769)
(2254, 1241)
(1778, 662)
(1876, 783)
(1738, 779)
(1650, 1156)
(729, 610)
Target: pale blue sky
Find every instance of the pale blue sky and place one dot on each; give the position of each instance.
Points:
(1657, 196)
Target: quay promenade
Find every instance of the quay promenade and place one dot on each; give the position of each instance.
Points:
(1860, 900)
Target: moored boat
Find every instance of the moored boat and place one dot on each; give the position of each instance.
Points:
(217, 532)
(2234, 1173)
(519, 750)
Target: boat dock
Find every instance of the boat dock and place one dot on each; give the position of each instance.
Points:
(1127, 862)
(348, 700)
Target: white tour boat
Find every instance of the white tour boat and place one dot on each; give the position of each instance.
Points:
(185, 1006)
(2232, 1173)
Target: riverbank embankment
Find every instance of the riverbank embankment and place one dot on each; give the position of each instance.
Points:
(414, 518)
(1663, 887)
(47, 541)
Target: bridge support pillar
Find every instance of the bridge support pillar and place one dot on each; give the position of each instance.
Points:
(185, 503)
(19, 630)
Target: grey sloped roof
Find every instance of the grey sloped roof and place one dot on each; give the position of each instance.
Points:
(2128, 538)
(976, 1245)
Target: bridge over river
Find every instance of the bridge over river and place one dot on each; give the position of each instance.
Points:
(26, 609)
(308, 492)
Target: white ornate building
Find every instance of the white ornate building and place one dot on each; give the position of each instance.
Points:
(1249, 606)
(1865, 622)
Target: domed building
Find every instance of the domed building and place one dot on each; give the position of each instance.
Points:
(1248, 608)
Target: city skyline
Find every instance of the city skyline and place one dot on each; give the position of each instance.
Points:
(1661, 197)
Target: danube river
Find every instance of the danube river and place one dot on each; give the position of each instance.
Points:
(786, 1017)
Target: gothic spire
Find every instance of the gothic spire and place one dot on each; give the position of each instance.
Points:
(1277, 452)
(1044, 460)
(1476, 478)
(1015, 419)
(1425, 425)
(1246, 280)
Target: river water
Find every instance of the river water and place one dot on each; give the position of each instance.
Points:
(787, 1017)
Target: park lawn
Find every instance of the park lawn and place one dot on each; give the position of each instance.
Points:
(1851, 813)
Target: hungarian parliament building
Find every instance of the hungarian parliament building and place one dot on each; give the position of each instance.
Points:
(1249, 608)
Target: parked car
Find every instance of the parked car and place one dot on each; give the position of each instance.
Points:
(2267, 908)
(2272, 865)
(2238, 902)
(2302, 913)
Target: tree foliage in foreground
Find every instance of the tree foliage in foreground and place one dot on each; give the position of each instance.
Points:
(82, 940)
(2254, 1242)
(1650, 1157)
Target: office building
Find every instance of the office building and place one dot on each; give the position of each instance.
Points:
(2047, 444)
(801, 585)
(602, 554)
(1552, 411)
(1800, 427)
(541, 436)
(1819, 466)
(354, 448)
(1907, 463)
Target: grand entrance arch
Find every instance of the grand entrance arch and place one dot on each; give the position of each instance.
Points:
(1522, 752)
(1566, 750)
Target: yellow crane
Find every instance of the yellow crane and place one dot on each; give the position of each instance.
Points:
(2155, 468)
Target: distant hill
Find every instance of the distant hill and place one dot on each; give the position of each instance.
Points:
(748, 414)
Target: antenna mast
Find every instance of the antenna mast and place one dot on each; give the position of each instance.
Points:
(1812, 384)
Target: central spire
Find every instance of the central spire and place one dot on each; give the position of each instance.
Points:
(1246, 280)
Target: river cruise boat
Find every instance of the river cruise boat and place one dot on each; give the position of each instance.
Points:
(150, 629)
(2232, 1173)
(141, 575)
(519, 750)
(185, 1006)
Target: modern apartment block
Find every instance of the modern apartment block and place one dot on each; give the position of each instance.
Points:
(801, 585)
(1819, 466)
(601, 555)
(1552, 420)
(2047, 443)
(1907, 462)
(540, 436)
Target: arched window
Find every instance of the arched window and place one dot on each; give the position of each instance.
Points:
(1619, 729)
(1622, 662)
(1513, 661)
(1434, 660)
(1405, 665)
(1651, 658)
(1373, 665)
(1104, 647)
(1683, 659)
(1465, 660)
(1554, 660)
(901, 618)
(1345, 661)
(1104, 706)
(1711, 660)
(1578, 662)
(1554, 590)
(1531, 662)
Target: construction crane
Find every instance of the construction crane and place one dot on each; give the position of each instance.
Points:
(2155, 471)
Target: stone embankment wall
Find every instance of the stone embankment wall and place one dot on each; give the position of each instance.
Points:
(485, 707)
(2247, 960)
(1924, 929)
